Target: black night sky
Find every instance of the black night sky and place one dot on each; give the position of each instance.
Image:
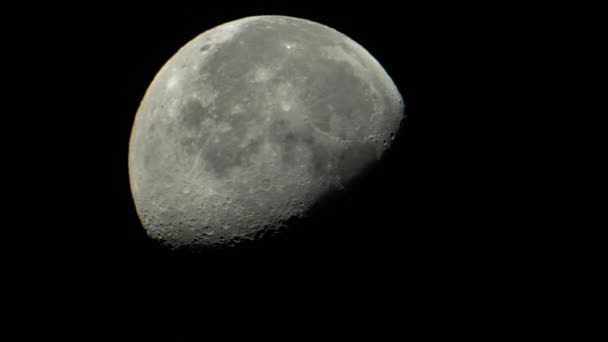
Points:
(461, 198)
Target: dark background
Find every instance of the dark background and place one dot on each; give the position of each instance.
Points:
(465, 199)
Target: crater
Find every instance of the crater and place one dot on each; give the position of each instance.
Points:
(262, 74)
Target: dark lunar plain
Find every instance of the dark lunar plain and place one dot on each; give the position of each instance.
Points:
(461, 205)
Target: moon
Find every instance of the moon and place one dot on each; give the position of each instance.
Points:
(250, 124)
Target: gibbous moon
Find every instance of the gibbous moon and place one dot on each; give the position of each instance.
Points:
(249, 124)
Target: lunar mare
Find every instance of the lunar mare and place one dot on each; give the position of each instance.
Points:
(249, 124)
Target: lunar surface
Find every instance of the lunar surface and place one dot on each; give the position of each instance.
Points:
(250, 123)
